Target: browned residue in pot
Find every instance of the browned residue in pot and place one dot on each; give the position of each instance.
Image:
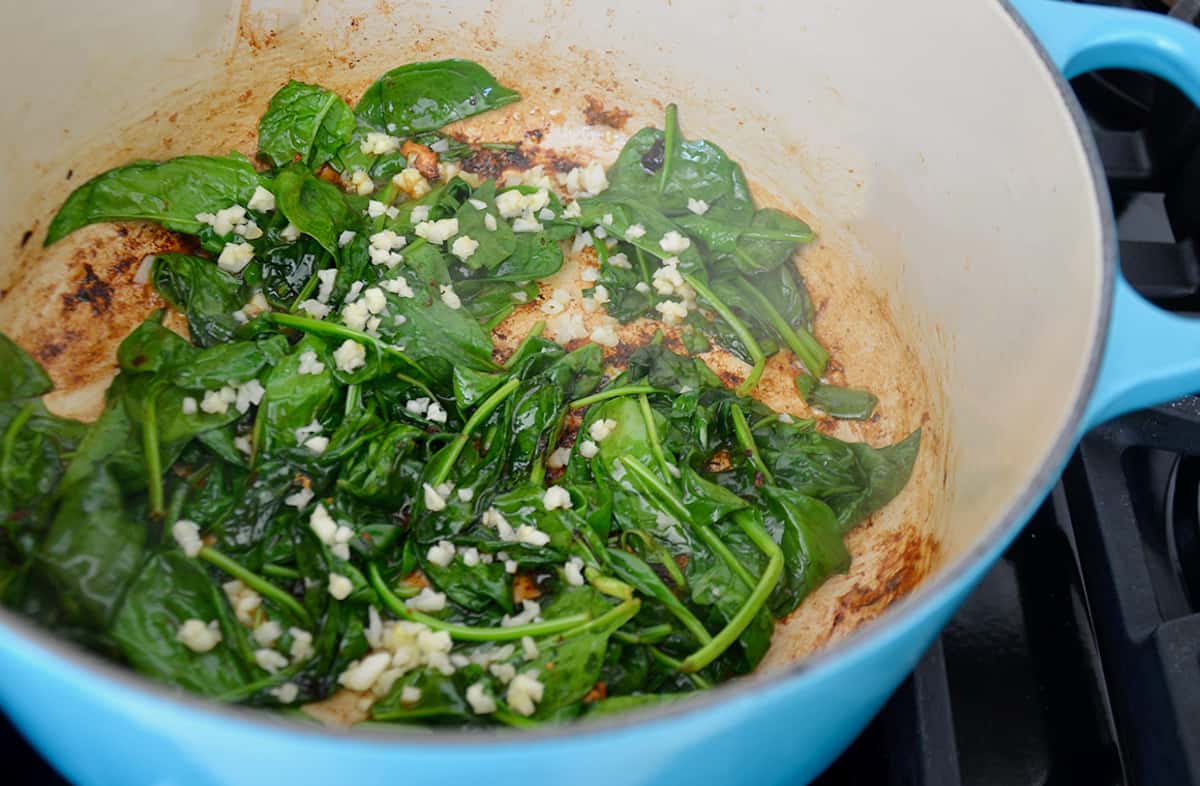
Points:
(596, 115)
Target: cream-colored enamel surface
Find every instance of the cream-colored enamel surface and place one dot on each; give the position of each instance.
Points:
(958, 262)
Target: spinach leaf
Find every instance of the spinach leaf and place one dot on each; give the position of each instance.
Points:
(698, 169)
(840, 402)
(94, 547)
(810, 535)
(171, 193)
(205, 294)
(23, 377)
(495, 245)
(489, 302)
(422, 97)
(34, 449)
(319, 209)
(304, 122)
(286, 268)
(293, 400)
(438, 337)
(170, 590)
(533, 257)
(851, 477)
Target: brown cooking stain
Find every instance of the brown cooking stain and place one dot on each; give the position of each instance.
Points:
(854, 320)
(595, 114)
(89, 311)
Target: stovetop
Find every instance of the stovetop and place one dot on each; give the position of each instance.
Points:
(1077, 660)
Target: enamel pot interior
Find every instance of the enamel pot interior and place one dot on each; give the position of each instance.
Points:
(958, 267)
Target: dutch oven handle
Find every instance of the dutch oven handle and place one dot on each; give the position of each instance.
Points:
(1151, 355)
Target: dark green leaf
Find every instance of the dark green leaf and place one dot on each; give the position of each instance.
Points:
(306, 122)
(319, 209)
(22, 377)
(170, 590)
(170, 192)
(850, 403)
(811, 538)
(426, 96)
(93, 549)
(205, 294)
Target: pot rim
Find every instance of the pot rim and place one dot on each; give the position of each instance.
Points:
(902, 615)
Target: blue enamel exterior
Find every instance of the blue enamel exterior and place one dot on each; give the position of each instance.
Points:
(1151, 355)
(100, 725)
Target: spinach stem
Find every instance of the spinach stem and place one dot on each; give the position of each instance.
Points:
(670, 142)
(661, 593)
(533, 333)
(610, 586)
(613, 618)
(280, 572)
(255, 582)
(538, 473)
(742, 429)
(500, 316)
(353, 399)
(674, 663)
(601, 247)
(387, 196)
(466, 632)
(14, 428)
(652, 436)
(174, 506)
(714, 542)
(331, 330)
(258, 433)
(777, 234)
(308, 287)
(150, 447)
(481, 413)
(656, 489)
(650, 635)
(614, 392)
(249, 689)
(802, 343)
(641, 260)
(664, 556)
(758, 597)
(739, 327)
(765, 421)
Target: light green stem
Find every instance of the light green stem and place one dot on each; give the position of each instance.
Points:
(14, 428)
(656, 489)
(255, 582)
(742, 429)
(608, 585)
(739, 327)
(670, 142)
(675, 663)
(758, 597)
(614, 618)
(617, 392)
(652, 433)
(154, 481)
(802, 343)
(481, 414)
(534, 332)
(466, 632)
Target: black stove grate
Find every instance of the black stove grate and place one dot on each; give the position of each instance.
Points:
(1077, 661)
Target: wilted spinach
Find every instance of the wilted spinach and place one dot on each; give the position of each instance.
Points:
(333, 483)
